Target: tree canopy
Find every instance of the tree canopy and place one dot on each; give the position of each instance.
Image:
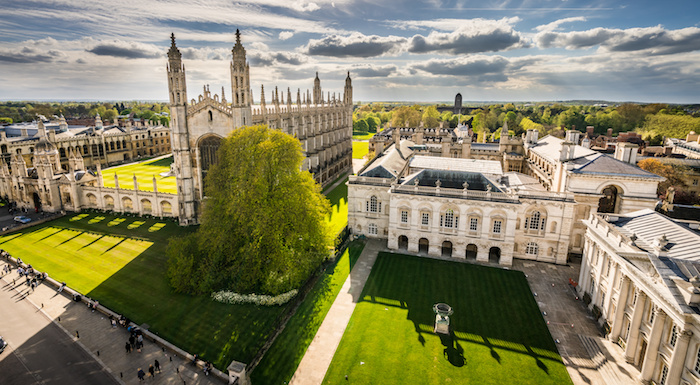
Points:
(263, 227)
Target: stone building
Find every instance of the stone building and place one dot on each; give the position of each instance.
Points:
(322, 125)
(641, 274)
(567, 181)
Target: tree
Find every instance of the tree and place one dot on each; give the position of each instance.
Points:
(674, 174)
(360, 125)
(405, 116)
(372, 123)
(264, 223)
(431, 117)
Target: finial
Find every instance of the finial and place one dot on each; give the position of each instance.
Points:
(238, 36)
(172, 39)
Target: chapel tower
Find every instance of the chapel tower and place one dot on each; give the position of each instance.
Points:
(318, 96)
(240, 85)
(182, 153)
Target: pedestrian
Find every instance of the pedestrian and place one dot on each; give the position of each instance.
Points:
(127, 347)
(60, 288)
(132, 341)
(141, 374)
(157, 365)
(151, 371)
(139, 341)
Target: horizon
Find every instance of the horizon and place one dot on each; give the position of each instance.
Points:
(512, 50)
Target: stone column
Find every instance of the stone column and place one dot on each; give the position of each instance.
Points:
(636, 321)
(619, 316)
(678, 357)
(583, 277)
(652, 354)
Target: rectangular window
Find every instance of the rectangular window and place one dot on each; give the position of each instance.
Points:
(695, 182)
(697, 362)
(673, 337)
(497, 226)
(425, 219)
(473, 224)
(664, 374)
(404, 216)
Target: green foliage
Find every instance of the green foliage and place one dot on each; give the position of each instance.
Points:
(670, 126)
(372, 123)
(405, 116)
(5, 120)
(264, 224)
(360, 126)
(431, 117)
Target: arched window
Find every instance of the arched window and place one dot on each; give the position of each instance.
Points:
(372, 229)
(532, 248)
(536, 221)
(211, 116)
(449, 219)
(373, 205)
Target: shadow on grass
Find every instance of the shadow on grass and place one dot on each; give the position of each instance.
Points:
(165, 162)
(492, 307)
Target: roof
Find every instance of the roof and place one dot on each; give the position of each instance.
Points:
(456, 164)
(485, 146)
(648, 225)
(390, 163)
(451, 179)
(522, 181)
(549, 148)
(603, 164)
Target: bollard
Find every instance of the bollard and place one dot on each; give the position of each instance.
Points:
(42, 305)
(98, 353)
(121, 375)
(177, 370)
(171, 358)
(59, 319)
(77, 335)
(163, 349)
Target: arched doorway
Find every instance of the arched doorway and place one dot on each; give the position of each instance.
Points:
(403, 242)
(472, 249)
(208, 148)
(495, 255)
(447, 249)
(609, 201)
(37, 202)
(423, 245)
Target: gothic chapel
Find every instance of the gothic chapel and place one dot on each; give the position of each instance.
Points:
(323, 126)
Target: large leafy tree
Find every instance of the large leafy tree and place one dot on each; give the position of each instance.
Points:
(263, 227)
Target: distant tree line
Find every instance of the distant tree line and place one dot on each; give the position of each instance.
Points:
(16, 112)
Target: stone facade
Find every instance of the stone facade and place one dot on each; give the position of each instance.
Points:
(322, 125)
(640, 273)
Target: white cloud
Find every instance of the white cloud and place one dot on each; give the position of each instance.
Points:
(355, 45)
(451, 24)
(478, 36)
(284, 35)
(553, 26)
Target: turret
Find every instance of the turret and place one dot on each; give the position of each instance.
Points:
(176, 75)
(318, 96)
(240, 85)
(347, 95)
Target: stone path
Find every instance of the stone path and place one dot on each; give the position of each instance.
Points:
(102, 341)
(589, 358)
(312, 368)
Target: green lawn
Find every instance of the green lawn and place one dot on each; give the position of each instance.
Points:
(121, 262)
(357, 135)
(339, 207)
(499, 335)
(359, 149)
(145, 171)
(281, 361)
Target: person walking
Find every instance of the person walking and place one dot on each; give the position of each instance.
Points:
(157, 365)
(132, 341)
(151, 371)
(127, 347)
(141, 374)
(139, 342)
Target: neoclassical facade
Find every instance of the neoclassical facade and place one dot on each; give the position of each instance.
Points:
(641, 274)
(322, 125)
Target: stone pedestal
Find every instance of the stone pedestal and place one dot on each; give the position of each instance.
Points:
(236, 371)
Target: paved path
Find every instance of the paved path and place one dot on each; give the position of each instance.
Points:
(39, 352)
(312, 368)
(97, 337)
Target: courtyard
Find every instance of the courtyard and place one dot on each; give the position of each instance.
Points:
(145, 172)
(498, 334)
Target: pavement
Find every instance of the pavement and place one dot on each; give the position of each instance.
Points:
(313, 366)
(83, 330)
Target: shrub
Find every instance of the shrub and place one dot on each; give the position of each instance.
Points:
(233, 298)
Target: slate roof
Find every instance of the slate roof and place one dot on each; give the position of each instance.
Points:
(485, 146)
(549, 147)
(391, 162)
(607, 165)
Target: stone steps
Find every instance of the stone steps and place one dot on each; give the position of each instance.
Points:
(599, 361)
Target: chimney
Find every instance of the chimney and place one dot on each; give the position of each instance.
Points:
(573, 136)
(567, 151)
(610, 132)
(626, 152)
(589, 130)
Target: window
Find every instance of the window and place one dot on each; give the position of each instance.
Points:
(606, 272)
(664, 374)
(449, 219)
(372, 228)
(695, 182)
(650, 315)
(533, 222)
(673, 337)
(473, 224)
(425, 219)
(373, 205)
(531, 248)
(697, 362)
(497, 226)
(404, 216)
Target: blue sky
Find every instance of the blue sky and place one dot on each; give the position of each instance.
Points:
(519, 50)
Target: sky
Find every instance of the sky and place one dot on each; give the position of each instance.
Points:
(398, 50)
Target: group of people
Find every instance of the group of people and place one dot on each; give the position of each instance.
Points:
(32, 277)
(152, 369)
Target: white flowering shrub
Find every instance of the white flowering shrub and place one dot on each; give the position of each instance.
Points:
(257, 299)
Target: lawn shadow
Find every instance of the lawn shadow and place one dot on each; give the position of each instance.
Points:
(453, 352)
(164, 162)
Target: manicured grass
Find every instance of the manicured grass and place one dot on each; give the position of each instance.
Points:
(144, 171)
(359, 149)
(339, 207)
(281, 361)
(499, 335)
(121, 262)
(357, 135)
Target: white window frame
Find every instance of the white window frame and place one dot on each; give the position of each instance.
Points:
(532, 249)
(372, 229)
(474, 224)
(497, 226)
(404, 216)
(425, 219)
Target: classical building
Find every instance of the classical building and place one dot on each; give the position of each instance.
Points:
(690, 147)
(530, 205)
(322, 125)
(641, 274)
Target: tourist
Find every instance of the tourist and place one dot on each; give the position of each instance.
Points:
(139, 342)
(60, 288)
(132, 341)
(127, 347)
(157, 365)
(141, 374)
(151, 371)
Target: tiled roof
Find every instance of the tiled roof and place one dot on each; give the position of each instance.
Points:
(607, 165)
